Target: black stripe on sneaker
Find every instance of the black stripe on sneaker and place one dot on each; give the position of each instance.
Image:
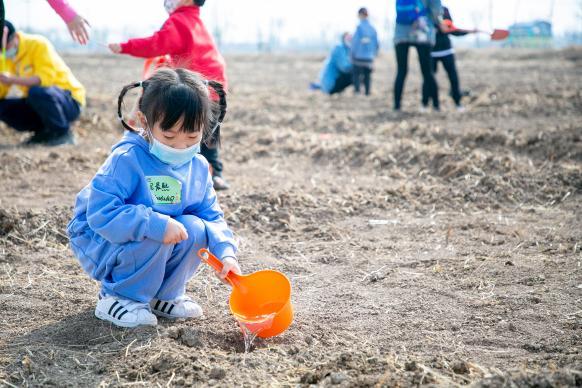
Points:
(164, 307)
(112, 306)
(116, 311)
(157, 304)
(170, 309)
(122, 314)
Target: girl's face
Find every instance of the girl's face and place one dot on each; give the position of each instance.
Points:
(173, 137)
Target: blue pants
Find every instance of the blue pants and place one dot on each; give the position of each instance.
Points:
(146, 269)
(46, 111)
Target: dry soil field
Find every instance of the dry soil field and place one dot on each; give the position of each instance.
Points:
(440, 248)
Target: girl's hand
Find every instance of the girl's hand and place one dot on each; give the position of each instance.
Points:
(175, 232)
(78, 29)
(115, 48)
(228, 264)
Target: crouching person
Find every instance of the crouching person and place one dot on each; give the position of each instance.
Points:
(139, 223)
(336, 74)
(51, 95)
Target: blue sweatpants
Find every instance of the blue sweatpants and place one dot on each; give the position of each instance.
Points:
(142, 270)
(48, 111)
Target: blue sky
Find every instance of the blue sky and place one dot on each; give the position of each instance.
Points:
(242, 21)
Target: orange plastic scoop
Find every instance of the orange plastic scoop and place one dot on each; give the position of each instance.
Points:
(496, 34)
(261, 300)
(499, 34)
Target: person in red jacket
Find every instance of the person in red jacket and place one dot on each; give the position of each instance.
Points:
(188, 44)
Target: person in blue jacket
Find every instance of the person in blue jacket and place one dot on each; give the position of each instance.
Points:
(364, 50)
(138, 224)
(336, 74)
(416, 24)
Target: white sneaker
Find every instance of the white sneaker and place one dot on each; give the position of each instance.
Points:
(460, 109)
(182, 307)
(124, 312)
(423, 109)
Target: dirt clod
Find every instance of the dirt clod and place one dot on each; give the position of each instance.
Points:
(460, 367)
(410, 366)
(337, 377)
(191, 338)
(217, 373)
(7, 222)
(309, 378)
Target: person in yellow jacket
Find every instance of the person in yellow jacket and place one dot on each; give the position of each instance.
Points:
(51, 95)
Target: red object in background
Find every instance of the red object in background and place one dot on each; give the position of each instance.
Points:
(497, 34)
(152, 64)
(186, 41)
(449, 24)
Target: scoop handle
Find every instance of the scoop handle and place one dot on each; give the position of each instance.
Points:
(207, 257)
(213, 261)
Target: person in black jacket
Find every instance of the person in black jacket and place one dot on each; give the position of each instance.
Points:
(444, 52)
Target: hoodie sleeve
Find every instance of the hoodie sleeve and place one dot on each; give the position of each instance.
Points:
(165, 41)
(356, 38)
(220, 238)
(109, 216)
(44, 58)
(63, 9)
(341, 58)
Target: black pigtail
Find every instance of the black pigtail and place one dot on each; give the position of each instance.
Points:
(124, 91)
(213, 138)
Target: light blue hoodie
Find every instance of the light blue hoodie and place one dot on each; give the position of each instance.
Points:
(133, 195)
(365, 44)
(338, 62)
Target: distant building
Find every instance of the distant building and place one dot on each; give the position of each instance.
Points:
(536, 34)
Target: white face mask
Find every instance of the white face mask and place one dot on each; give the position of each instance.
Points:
(171, 5)
(172, 156)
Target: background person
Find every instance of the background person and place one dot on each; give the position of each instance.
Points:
(336, 74)
(444, 52)
(76, 24)
(139, 223)
(364, 50)
(415, 27)
(188, 43)
(52, 96)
